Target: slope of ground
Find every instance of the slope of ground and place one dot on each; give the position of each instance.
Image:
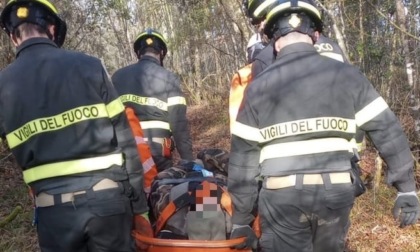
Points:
(372, 230)
(16, 235)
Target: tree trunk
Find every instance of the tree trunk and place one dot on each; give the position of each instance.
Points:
(414, 96)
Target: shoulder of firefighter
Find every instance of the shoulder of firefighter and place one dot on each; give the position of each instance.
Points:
(311, 135)
(329, 48)
(63, 134)
(264, 59)
(159, 103)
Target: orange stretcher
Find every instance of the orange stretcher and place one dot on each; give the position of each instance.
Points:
(168, 245)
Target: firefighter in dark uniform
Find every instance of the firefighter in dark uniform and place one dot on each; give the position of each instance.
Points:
(294, 130)
(157, 99)
(258, 40)
(325, 46)
(65, 125)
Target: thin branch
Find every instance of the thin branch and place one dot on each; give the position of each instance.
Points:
(392, 23)
(220, 50)
(1, 160)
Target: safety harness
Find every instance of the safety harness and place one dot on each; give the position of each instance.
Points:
(186, 190)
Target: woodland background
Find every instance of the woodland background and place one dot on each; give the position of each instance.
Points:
(207, 40)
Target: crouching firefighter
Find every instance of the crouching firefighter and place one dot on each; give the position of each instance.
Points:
(156, 97)
(70, 135)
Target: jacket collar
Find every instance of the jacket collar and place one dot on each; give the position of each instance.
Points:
(147, 57)
(296, 48)
(34, 41)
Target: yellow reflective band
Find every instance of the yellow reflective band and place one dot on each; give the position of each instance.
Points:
(292, 128)
(153, 34)
(49, 5)
(146, 101)
(332, 55)
(304, 148)
(302, 5)
(372, 110)
(310, 125)
(43, 2)
(278, 8)
(262, 7)
(56, 122)
(155, 125)
(177, 100)
(359, 147)
(71, 167)
(246, 132)
(114, 108)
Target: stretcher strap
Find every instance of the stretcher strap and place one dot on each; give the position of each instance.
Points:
(170, 209)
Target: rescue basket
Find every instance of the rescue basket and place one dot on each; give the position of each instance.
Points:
(190, 207)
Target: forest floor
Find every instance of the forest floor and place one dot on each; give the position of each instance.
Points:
(372, 229)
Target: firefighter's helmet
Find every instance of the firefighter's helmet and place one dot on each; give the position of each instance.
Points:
(255, 10)
(150, 38)
(40, 12)
(285, 16)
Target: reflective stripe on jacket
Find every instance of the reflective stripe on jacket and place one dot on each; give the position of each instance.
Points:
(64, 121)
(299, 117)
(156, 97)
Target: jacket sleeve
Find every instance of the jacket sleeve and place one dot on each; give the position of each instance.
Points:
(244, 165)
(257, 67)
(125, 140)
(384, 129)
(177, 116)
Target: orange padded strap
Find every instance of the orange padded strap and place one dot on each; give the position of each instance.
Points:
(170, 209)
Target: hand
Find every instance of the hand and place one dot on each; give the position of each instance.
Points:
(143, 227)
(244, 231)
(407, 208)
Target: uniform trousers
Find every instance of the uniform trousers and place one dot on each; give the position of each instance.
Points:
(305, 218)
(98, 221)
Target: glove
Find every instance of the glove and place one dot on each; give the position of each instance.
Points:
(407, 208)
(143, 227)
(239, 231)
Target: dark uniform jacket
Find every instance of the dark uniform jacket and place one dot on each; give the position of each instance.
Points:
(298, 117)
(156, 96)
(325, 46)
(329, 48)
(263, 59)
(64, 122)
